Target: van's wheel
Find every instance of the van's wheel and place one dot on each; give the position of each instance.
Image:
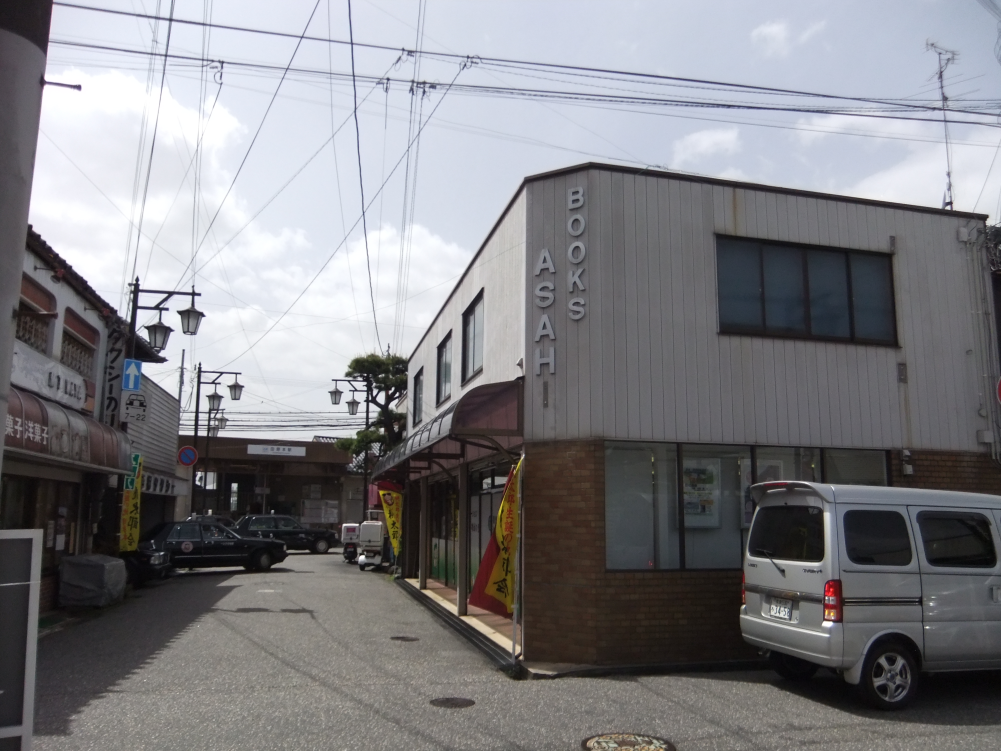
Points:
(321, 546)
(791, 668)
(263, 561)
(889, 676)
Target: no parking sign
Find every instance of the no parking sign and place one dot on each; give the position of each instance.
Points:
(187, 456)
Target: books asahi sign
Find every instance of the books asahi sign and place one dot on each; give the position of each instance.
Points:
(20, 573)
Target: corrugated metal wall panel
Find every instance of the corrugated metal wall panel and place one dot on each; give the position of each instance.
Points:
(646, 361)
(156, 439)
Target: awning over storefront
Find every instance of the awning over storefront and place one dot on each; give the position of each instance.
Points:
(486, 419)
(42, 430)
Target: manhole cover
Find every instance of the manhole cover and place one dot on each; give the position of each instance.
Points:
(627, 740)
(404, 638)
(452, 702)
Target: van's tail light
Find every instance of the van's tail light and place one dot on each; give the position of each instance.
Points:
(743, 592)
(833, 602)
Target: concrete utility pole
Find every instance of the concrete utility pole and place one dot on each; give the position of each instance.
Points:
(24, 42)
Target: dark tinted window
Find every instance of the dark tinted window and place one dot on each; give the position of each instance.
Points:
(785, 298)
(262, 523)
(790, 533)
(788, 290)
(185, 532)
(954, 538)
(739, 279)
(828, 275)
(877, 538)
(872, 298)
(285, 522)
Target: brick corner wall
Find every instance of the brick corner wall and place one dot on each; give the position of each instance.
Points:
(576, 611)
(947, 470)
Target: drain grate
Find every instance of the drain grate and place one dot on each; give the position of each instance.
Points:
(404, 638)
(452, 702)
(627, 740)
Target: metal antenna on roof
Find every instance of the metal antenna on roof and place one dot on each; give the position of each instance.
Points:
(945, 59)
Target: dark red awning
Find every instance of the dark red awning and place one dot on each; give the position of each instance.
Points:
(36, 426)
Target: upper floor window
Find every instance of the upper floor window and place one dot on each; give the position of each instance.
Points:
(79, 344)
(33, 327)
(35, 312)
(419, 396)
(443, 385)
(812, 293)
(472, 339)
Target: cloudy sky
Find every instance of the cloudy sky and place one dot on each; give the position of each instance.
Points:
(249, 197)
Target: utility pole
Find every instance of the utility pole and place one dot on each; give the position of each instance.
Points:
(945, 59)
(24, 44)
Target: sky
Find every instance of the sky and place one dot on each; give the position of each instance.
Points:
(242, 178)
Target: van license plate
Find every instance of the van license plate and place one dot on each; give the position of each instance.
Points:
(780, 608)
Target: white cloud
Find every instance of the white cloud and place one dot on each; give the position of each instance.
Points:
(695, 147)
(247, 285)
(777, 39)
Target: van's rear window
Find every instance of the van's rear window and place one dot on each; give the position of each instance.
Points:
(789, 533)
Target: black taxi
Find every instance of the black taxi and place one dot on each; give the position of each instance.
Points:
(288, 530)
(191, 544)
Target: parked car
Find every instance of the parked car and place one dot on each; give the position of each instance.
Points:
(223, 520)
(879, 584)
(288, 530)
(146, 563)
(207, 544)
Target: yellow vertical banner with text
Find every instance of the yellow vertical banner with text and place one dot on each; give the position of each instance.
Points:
(392, 503)
(129, 538)
(502, 585)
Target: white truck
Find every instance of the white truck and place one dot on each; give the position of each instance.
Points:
(370, 539)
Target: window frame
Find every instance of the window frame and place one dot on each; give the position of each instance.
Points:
(440, 384)
(804, 250)
(467, 315)
(417, 413)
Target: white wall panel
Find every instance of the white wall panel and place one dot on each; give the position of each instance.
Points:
(499, 270)
(646, 361)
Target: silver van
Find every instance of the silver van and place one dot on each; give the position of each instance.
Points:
(878, 584)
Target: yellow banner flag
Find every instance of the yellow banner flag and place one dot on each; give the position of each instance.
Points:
(392, 505)
(501, 584)
(129, 538)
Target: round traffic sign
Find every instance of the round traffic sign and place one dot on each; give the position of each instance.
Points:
(187, 456)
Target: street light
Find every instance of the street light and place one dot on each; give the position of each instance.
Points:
(222, 422)
(356, 384)
(159, 332)
(215, 402)
(335, 395)
(353, 406)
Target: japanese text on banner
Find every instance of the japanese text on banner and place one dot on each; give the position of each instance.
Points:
(392, 504)
(130, 506)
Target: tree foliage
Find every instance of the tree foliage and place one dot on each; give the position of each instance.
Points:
(388, 375)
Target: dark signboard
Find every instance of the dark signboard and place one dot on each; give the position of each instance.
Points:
(20, 569)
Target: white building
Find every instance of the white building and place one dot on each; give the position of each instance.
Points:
(666, 341)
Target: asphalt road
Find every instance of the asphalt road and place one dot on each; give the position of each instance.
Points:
(301, 658)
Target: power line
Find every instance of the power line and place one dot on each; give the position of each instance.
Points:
(254, 139)
(361, 179)
(534, 64)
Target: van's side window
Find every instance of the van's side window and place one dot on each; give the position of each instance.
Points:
(956, 538)
(877, 538)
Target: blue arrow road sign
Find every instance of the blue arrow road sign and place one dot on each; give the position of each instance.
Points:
(132, 375)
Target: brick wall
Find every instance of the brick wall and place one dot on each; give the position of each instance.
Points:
(947, 470)
(576, 611)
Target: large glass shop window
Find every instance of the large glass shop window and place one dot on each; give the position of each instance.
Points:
(715, 483)
(641, 509)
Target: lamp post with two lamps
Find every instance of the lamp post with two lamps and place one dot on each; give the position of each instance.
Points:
(335, 399)
(159, 332)
(215, 403)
